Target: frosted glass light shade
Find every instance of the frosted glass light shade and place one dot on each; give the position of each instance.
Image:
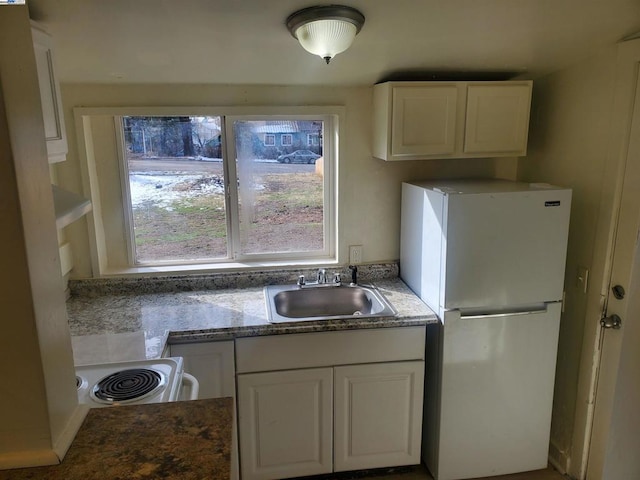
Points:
(325, 30)
(326, 38)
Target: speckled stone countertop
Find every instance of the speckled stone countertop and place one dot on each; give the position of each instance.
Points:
(216, 315)
(133, 318)
(173, 441)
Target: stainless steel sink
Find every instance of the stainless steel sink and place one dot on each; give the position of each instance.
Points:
(287, 303)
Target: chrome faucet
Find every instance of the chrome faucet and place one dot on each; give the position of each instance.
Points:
(321, 276)
(322, 280)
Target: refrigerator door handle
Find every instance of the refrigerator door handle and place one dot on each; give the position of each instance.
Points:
(501, 314)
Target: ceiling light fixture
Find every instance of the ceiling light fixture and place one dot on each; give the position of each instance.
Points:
(325, 30)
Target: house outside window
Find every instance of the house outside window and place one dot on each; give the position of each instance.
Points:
(269, 140)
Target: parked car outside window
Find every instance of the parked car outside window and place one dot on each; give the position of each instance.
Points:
(299, 156)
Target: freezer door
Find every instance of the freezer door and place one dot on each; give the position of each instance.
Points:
(506, 248)
(496, 393)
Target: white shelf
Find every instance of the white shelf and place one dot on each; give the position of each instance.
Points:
(68, 206)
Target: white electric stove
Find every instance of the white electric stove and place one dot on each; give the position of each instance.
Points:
(135, 382)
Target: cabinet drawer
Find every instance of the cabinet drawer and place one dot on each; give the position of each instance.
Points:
(306, 350)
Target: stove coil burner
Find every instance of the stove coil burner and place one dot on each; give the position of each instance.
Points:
(128, 386)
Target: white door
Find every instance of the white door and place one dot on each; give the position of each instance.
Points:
(378, 415)
(496, 394)
(615, 440)
(514, 240)
(285, 423)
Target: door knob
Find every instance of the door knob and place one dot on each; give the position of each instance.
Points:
(612, 321)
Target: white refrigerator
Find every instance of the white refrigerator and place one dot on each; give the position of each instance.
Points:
(488, 256)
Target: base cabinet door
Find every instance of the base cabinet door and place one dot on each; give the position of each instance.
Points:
(212, 363)
(378, 415)
(285, 423)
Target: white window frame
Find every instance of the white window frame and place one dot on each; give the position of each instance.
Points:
(329, 191)
(110, 255)
(287, 135)
(271, 142)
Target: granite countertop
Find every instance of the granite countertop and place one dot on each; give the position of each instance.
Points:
(144, 322)
(174, 441)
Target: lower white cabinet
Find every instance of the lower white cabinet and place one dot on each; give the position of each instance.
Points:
(328, 417)
(213, 365)
(378, 415)
(285, 422)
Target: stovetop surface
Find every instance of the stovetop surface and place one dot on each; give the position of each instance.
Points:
(168, 371)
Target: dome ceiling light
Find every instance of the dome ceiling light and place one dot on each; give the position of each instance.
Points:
(325, 30)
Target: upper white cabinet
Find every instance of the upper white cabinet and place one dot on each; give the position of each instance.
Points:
(50, 96)
(425, 120)
(497, 119)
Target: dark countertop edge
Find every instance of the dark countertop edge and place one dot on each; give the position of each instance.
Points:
(106, 436)
(230, 333)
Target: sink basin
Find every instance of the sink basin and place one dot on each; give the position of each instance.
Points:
(287, 303)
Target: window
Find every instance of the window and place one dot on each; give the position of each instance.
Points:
(269, 140)
(287, 139)
(313, 139)
(186, 201)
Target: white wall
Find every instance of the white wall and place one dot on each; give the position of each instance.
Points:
(369, 189)
(568, 145)
(38, 400)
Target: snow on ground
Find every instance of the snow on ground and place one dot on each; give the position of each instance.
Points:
(164, 188)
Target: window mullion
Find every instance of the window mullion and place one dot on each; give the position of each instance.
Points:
(231, 187)
(126, 190)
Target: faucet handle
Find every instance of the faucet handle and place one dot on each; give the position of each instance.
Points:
(301, 281)
(337, 279)
(322, 275)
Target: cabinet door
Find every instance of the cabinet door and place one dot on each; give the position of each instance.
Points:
(50, 97)
(423, 120)
(497, 118)
(212, 364)
(285, 423)
(378, 415)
